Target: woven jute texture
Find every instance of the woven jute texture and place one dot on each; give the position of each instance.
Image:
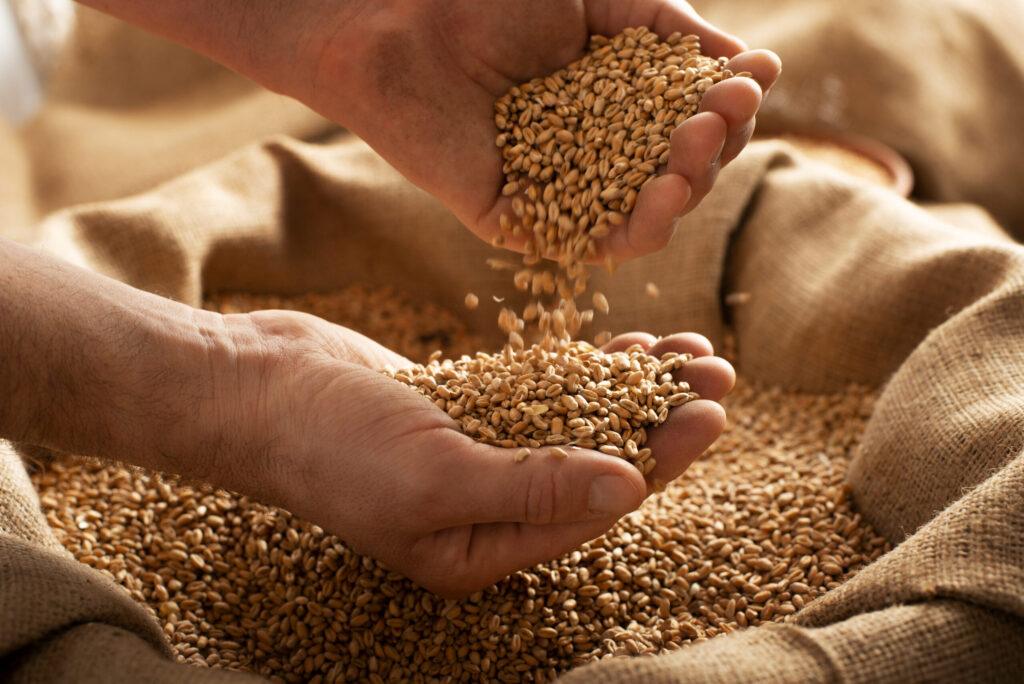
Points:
(846, 283)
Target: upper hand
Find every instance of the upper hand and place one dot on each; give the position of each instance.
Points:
(418, 80)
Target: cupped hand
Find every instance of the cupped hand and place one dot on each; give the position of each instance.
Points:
(376, 463)
(692, 427)
(418, 80)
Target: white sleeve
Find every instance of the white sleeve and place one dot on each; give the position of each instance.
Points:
(32, 33)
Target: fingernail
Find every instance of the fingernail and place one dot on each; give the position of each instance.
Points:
(611, 495)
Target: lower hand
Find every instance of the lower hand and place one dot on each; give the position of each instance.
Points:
(370, 460)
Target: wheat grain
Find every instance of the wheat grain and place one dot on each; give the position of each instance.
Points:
(757, 529)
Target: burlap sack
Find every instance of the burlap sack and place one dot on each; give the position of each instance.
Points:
(136, 110)
(940, 81)
(846, 283)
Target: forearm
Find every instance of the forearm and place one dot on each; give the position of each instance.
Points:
(277, 43)
(92, 366)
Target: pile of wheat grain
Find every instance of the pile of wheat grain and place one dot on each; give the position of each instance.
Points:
(571, 396)
(755, 530)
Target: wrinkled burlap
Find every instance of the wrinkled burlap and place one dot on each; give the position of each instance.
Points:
(846, 282)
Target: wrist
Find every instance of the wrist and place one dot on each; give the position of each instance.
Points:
(225, 437)
(354, 57)
(97, 368)
(186, 399)
(306, 48)
(172, 406)
(243, 435)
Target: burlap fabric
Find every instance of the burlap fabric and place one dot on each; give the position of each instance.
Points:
(846, 283)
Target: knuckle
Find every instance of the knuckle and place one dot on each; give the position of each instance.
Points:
(663, 238)
(423, 498)
(450, 580)
(435, 568)
(444, 585)
(456, 585)
(541, 498)
(448, 588)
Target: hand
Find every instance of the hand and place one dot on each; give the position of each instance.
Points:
(418, 80)
(371, 461)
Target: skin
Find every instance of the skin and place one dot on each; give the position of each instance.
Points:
(293, 410)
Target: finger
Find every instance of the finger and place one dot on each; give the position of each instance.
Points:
(696, 145)
(488, 226)
(682, 343)
(736, 100)
(711, 377)
(764, 67)
(626, 340)
(470, 558)
(681, 17)
(664, 17)
(652, 220)
(679, 441)
(517, 546)
(545, 488)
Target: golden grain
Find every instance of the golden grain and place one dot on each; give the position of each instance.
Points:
(752, 534)
(576, 395)
(737, 298)
(579, 144)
